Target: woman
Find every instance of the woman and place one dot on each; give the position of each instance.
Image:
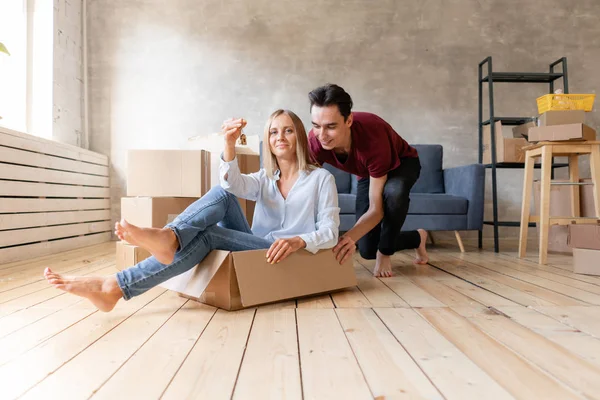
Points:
(296, 207)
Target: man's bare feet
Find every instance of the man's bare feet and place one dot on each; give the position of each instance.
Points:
(103, 292)
(383, 266)
(421, 256)
(161, 243)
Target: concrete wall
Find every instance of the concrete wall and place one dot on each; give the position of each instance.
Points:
(67, 86)
(161, 72)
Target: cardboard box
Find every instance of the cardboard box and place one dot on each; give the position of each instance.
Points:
(153, 212)
(585, 261)
(585, 237)
(243, 279)
(550, 118)
(586, 199)
(560, 206)
(248, 160)
(522, 131)
(167, 173)
(128, 255)
(561, 133)
(507, 149)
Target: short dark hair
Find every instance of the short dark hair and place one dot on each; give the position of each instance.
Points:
(329, 95)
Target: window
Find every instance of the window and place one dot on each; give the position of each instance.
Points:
(13, 68)
(26, 29)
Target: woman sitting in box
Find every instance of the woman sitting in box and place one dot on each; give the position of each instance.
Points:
(296, 208)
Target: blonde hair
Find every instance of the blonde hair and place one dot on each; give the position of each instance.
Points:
(305, 163)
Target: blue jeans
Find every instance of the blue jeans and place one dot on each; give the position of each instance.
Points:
(214, 222)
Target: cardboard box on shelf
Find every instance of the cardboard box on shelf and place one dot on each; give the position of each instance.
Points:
(235, 280)
(153, 212)
(583, 236)
(128, 255)
(522, 131)
(585, 261)
(166, 173)
(563, 117)
(562, 133)
(507, 149)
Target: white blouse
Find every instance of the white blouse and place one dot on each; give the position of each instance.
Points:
(310, 210)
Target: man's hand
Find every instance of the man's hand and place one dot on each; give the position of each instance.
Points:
(344, 249)
(282, 248)
(232, 129)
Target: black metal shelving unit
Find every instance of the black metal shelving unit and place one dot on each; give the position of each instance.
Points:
(510, 77)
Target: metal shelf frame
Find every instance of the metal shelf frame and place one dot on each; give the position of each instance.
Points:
(490, 78)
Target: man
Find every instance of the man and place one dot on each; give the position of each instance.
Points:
(365, 145)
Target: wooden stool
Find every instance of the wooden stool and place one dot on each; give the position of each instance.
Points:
(547, 150)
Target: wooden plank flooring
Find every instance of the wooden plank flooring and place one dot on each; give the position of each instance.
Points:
(476, 325)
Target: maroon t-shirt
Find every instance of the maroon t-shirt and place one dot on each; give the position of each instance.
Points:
(376, 148)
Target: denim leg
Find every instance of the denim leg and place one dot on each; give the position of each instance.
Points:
(216, 207)
(147, 274)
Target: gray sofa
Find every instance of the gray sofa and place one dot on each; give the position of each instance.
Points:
(441, 200)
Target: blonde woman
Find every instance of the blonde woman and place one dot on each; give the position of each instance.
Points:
(296, 208)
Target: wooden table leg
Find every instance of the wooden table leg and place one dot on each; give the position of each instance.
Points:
(595, 170)
(574, 177)
(459, 241)
(545, 202)
(525, 206)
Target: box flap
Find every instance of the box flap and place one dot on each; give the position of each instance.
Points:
(222, 291)
(193, 282)
(301, 274)
(522, 131)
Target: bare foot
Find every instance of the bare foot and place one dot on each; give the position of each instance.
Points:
(161, 243)
(383, 266)
(104, 293)
(421, 252)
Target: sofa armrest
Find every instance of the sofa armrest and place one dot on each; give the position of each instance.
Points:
(469, 182)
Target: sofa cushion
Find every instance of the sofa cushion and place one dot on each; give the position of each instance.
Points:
(431, 179)
(430, 204)
(342, 179)
(347, 203)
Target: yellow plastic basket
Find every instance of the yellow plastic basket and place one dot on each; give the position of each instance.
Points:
(550, 102)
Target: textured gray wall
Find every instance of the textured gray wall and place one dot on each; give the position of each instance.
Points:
(161, 72)
(67, 85)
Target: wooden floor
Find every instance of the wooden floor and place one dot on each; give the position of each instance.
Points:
(472, 326)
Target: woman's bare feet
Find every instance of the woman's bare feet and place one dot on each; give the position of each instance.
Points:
(104, 293)
(161, 243)
(383, 266)
(421, 252)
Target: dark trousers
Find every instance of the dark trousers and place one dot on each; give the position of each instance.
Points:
(387, 236)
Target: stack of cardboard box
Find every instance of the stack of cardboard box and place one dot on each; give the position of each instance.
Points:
(550, 126)
(163, 183)
(160, 185)
(585, 242)
(561, 125)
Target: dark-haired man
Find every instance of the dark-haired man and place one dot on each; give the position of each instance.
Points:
(365, 145)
